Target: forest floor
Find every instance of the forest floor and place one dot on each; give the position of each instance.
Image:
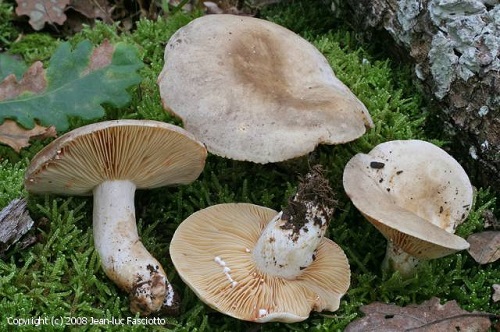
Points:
(59, 275)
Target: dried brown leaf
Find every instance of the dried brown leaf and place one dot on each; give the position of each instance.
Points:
(42, 11)
(101, 57)
(148, 9)
(187, 6)
(33, 80)
(225, 7)
(428, 316)
(485, 246)
(212, 8)
(17, 137)
(93, 9)
(490, 221)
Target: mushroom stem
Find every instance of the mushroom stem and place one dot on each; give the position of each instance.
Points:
(124, 258)
(398, 260)
(289, 242)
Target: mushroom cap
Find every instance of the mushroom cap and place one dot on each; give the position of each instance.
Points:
(414, 193)
(223, 236)
(149, 153)
(253, 90)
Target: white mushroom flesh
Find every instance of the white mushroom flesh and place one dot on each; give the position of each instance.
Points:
(226, 270)
(124, 258)
(398, 260)
(286, 247)
(416, 195)
(423, 179)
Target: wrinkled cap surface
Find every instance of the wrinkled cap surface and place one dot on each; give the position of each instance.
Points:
(253, 90)
(212, 252)
(149, 153)
(414, 193)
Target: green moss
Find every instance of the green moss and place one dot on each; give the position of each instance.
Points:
(60, 274)
(315, 16)
(8, 33)
(11, 181)
(483, 200)
(34, 47)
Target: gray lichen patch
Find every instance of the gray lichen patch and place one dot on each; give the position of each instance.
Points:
(406, 13)
(467, 43)
(465, 37)
(443, 60)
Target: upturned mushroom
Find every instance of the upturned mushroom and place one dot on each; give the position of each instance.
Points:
(415, 194)
(110, 160)
(255, 264)
(252, 90)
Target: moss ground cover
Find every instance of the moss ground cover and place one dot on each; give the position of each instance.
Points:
(60, 275)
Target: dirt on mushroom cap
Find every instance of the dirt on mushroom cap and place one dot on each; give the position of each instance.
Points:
(404, 194)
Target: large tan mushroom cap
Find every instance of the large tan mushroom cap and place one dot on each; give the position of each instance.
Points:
(212, 252)
(414, 193)
(253, 90)
(148, 153)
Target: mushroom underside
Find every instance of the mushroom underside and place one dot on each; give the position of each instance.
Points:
(212, 252)
(149, 153)
(111, 159)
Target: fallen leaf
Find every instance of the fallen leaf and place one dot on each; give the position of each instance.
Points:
(17, 137)
(32, 81)
(429, 316)
(15, 221)
(485, 246)
(100, 58)
(496, 293)
(226, 7)
(187, 6)
(42, 11)
(149, 9)
(76, 83)
(93, 9)
(212, 8)
(490, 221)
(10, 64)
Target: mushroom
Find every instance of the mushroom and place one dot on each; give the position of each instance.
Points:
(255, 264)
(110, 160)
(415, 194)
(252, 90)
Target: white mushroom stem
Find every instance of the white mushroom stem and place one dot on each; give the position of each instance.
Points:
(289, 242)
(123, 257)
(285, 251)
(398, 260)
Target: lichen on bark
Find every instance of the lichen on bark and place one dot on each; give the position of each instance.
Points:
(454, 46)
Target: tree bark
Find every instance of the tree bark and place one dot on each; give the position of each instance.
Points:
(454, 46)
(15, 221)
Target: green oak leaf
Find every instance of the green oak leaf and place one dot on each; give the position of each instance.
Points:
(11, 65)
(77, 82)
